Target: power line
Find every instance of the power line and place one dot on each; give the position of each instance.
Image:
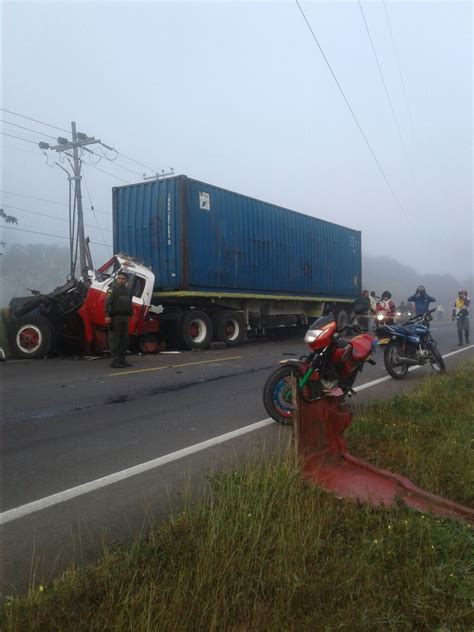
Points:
(28, 129)
(26, 151)
(60, 219)
(39, 199)
(95, 216)
(386, 89)
(387, 182)
(399, 68)
(33, 119)
(89, 164)
(141, 164)
(33, 142)
(35, 232)
(112, 163)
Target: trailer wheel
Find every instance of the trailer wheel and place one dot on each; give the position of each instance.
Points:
(31, 337)
(229, 327)
(195, 330)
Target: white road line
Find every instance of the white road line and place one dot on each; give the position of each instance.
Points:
(105, 481)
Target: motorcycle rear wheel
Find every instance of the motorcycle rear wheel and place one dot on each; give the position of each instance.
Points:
(277, 395)
(397, 371)
(437, 362)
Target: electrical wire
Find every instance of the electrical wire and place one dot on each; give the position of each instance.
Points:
(387, 182)
(33, 142)
(39, 199)
(29, 118)
(89, 164)
(26, 151)
(386, 89)
(141, 164)
(28, 129)
(97, 221)
(35, 232)
(399, 69)
(60, 219)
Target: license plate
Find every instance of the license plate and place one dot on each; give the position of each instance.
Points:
(383, 341)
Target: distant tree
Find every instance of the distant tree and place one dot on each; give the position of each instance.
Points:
(33, 266)
(385, 273)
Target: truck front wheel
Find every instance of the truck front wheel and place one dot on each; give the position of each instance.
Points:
(195, 330)
(31, 337)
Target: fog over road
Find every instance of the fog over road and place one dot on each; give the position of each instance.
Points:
(69, 422)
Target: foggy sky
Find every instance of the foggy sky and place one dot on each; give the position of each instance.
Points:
(238, 95)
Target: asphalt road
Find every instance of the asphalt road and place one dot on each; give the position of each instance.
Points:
(75, 435)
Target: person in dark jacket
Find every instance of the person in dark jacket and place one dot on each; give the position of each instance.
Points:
(118, 309)
(461, 316)
(421, 300)
(361, 307)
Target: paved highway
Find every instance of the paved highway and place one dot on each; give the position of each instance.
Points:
(89, 453)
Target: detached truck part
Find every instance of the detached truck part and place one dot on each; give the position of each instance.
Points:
(226, 264)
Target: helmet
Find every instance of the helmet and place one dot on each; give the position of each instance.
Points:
(386, 295)
(463, 292)
(420, 289)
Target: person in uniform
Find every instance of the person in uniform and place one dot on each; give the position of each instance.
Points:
(461, 316)
(118, 309)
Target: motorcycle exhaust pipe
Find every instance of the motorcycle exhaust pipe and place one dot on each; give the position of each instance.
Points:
(408, 361)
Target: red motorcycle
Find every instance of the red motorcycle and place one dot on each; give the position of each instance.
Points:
(330, 369)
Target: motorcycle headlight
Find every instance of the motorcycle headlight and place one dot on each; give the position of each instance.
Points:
(399, 313)
(380, 316)
(312, 335)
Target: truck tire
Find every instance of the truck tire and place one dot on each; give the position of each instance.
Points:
(229, 327)
(342, 319)
(31, 337)
(195, 330)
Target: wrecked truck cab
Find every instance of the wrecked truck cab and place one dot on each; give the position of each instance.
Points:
(71, 318)
(47, 323)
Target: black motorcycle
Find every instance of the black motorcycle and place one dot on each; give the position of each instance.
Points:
(411, 344)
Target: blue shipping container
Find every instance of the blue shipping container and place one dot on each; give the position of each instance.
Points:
(199, 237)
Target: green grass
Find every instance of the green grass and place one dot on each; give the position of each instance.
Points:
(427, 435)
(267, 552)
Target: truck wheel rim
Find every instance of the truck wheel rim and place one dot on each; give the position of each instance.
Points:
(29, 339)
(197, 331)
(231, 329)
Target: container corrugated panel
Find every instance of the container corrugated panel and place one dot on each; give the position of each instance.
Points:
(196, 236)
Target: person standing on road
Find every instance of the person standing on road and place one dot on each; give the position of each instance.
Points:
(461, 316)
(361, 307)
(421, 300)
(118, 309)
(440, 312)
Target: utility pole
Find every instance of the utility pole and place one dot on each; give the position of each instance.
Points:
(65, 146)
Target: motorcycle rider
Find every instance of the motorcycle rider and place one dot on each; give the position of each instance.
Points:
(461, 316)
(386, 306)
(421, 300)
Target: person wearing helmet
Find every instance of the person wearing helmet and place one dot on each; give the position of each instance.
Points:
(387, 307)
(461, 316)
(421, 300)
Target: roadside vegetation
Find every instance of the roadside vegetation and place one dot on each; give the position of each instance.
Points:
(267, 552)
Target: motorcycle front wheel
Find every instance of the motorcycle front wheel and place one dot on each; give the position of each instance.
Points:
(277, 395)
(390, 358)
(437, 362)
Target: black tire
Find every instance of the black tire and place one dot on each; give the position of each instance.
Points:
(397, 371)
(437, 362)
(277, 394)
(195, 330)
(31, 337)
(229, 327)
(342, 319)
